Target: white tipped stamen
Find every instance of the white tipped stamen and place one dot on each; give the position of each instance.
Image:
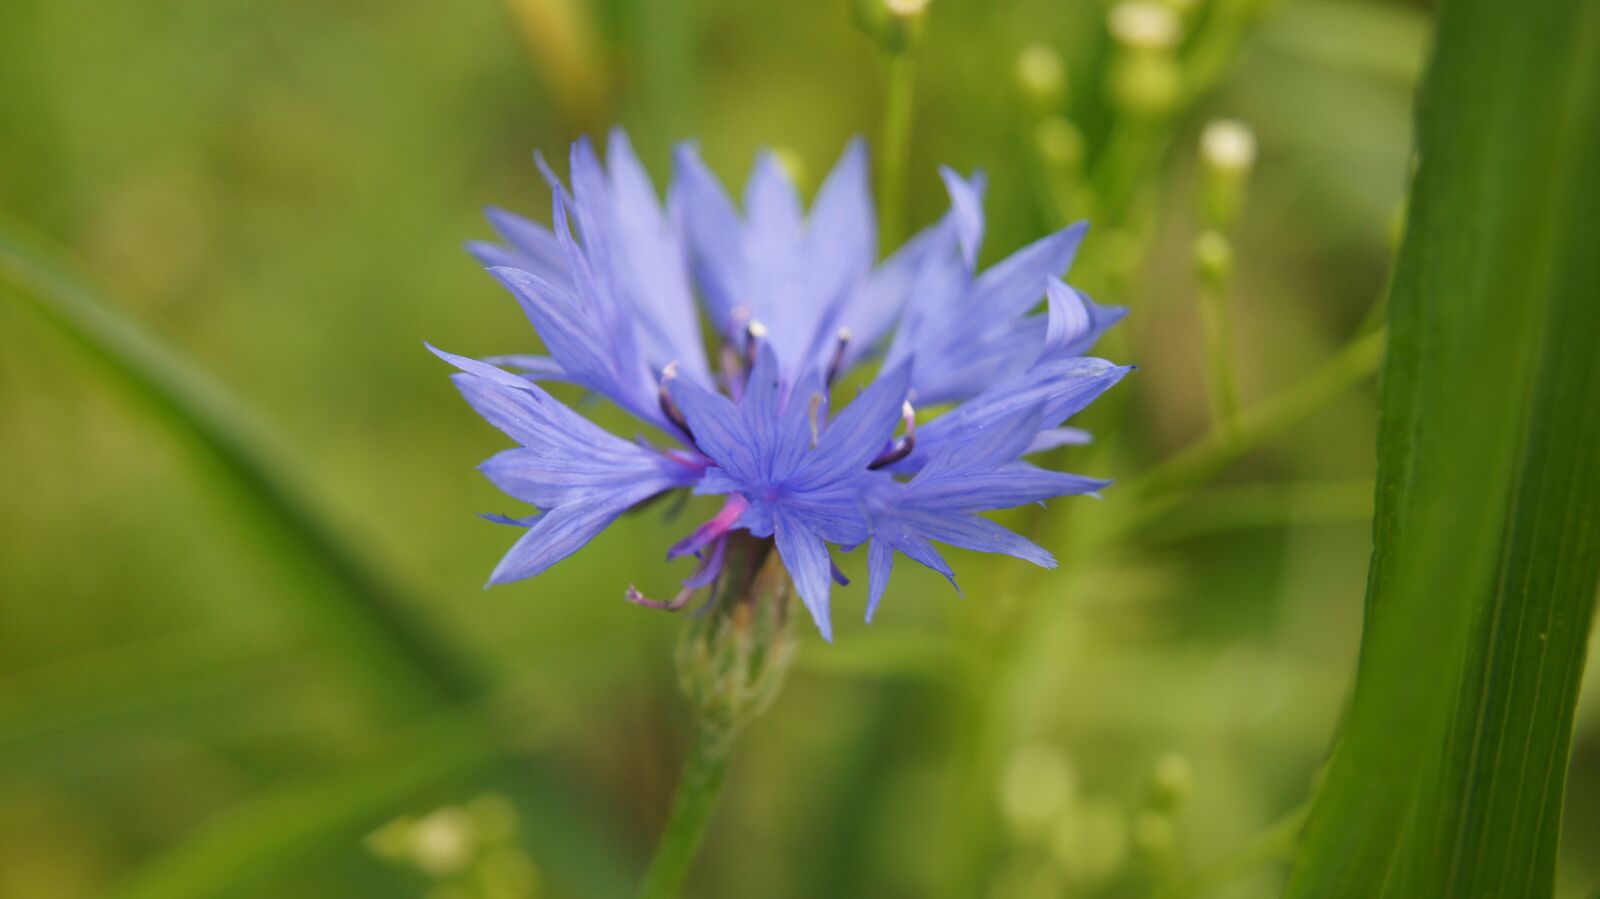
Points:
(836, 364)
(900, 448)
(754, 333)
(669, 407)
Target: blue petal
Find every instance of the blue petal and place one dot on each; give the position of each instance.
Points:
(841, 243)
(719, 430)
(709, 219)
(591, 354)
(563, 531)
(1012, 287)
(1058, 437)
(860, 432)
(806, 557)
(877, 301)
(534, 368)
(1059, 388)
(974, 533)
(983, 444)
(773, 217)
(649, 269)
(880, 562)
(1070, 320)
(966, 207)
(761, 405)
(1075, 322)
(536, 247)
(548, 479)
(1013, 485)
(490, 255)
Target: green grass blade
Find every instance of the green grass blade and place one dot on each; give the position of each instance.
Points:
(364, 610)
(1447, 778)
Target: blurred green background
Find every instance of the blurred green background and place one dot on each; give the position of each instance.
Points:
(191, 704)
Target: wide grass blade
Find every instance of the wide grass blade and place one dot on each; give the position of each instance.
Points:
(1447, 777)
(364, 610)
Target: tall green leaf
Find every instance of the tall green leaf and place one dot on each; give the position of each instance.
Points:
(1447, 777)
(365, 610)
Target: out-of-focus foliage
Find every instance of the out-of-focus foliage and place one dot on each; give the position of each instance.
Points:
(277, 193)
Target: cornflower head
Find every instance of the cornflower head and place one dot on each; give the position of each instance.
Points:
(794, 300)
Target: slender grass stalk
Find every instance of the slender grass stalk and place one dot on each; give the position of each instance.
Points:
(692, 803)
(1222, 386)
(1169, 481)
(898, 106)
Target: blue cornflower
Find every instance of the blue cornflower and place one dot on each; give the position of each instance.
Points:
(794, 300)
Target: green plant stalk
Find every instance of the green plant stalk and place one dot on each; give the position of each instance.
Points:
(1133, 151)
(1169, 481)
(732, 660)
(696, 795)
(898, 106)
(1222, 387)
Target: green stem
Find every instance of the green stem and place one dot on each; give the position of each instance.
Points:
(897, 109)
(1218, 336)
(1163, 485)
(691, 809)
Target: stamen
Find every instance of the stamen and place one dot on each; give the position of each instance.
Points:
(669, 407)
(838, 356)
(754, 333)
(900, 448)
(668, 605)
(733, 373)
(816, 406)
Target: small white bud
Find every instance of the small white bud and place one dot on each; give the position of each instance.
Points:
(1144, 25)
(1228, 146)
(906, 9)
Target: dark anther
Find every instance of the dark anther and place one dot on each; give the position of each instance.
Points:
(669, 407)
(900, 448)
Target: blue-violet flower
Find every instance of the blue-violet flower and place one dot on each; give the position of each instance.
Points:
(795, 300)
